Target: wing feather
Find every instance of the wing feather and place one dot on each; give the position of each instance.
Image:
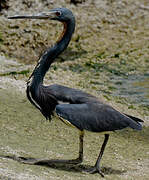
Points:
(95, 117)
(70, 95)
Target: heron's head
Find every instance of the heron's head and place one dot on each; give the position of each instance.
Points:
(59, 14)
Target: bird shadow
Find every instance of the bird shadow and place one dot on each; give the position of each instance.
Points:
(61, 166)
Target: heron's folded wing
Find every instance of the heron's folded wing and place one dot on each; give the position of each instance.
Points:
(95, 117)
(70, 95)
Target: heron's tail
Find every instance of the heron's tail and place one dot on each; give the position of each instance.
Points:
(136, 123)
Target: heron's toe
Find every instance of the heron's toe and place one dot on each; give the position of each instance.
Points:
(27, 160)
(94, 170)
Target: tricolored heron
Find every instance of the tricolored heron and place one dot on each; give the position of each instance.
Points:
(78, 109)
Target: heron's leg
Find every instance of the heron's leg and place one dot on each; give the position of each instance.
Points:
(96, 168)
(34, 161)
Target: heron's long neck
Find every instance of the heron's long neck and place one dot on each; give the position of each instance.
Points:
(51, 53)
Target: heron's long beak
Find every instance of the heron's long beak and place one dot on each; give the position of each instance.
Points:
(43, 15)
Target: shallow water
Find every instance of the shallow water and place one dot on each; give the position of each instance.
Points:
(134, 87)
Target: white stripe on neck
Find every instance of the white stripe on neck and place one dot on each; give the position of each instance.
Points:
(36, 104)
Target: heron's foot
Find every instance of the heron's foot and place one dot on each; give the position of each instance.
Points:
(31, 161)
(76, 161)
(34, 161)
(93, 170)
(28, 160)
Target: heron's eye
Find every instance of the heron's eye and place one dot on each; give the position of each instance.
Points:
(58, 13)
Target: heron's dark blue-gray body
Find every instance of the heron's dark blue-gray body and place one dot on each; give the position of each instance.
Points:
(82, 110)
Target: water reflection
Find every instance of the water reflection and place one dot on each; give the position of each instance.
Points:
(134, 87)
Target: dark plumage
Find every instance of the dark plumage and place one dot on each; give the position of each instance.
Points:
(79, 109)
